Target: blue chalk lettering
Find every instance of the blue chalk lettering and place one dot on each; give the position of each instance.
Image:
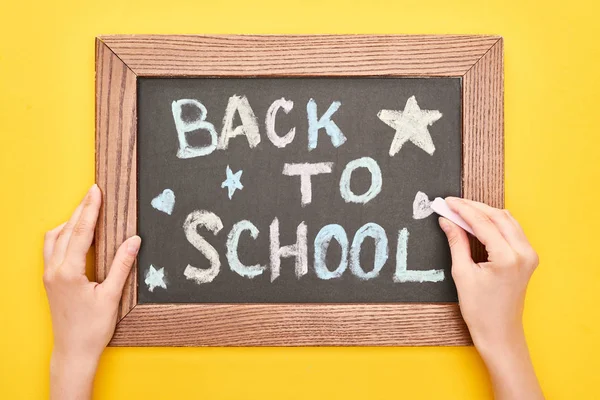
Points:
(328, 232)
(402, 274)
(314, 124)
(376, 180)
(381, 250)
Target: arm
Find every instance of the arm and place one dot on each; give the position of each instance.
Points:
(84, 313)
(492, 294)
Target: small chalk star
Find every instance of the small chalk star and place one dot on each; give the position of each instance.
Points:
(411, 124)
(155, 278)
(232, 182)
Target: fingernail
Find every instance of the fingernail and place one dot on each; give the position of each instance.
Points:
(444, 225)
(452, 200)
(134, 245)
(89, 192)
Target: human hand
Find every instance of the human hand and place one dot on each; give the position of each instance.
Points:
(492, 294)
(84, 313)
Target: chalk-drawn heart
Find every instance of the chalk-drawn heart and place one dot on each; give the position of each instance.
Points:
(164, 202)
(421, 206)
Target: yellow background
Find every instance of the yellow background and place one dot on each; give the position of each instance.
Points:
(552, 186)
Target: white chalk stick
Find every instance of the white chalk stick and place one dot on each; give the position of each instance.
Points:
(439, 206)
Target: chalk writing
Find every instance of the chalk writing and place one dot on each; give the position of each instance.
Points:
(249, 127)
(164, 202)
(402, 274)
(190, 118)
(155, 278)
(421, 206)
(376, 181)
(411, 124)
(212, 223)
(306, 171)
(232, 182)
(185, 126)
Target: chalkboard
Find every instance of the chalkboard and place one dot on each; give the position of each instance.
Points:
(377, 148)
(194, 152)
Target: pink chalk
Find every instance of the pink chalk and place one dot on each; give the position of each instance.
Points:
(439, 206)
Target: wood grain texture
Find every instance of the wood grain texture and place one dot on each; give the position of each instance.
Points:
(120, 59)
(300, 55)
(116, 132)
(292, 325)
(483, 134)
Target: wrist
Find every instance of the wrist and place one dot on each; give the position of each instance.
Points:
(509, 365)
(71, 375)
(503, 350)
(73, 363)
(502, 342)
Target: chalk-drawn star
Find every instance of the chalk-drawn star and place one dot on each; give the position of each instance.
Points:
(155, 278)
(411, 124)
(232, 182)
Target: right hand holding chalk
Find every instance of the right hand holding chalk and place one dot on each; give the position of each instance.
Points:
(492, 294)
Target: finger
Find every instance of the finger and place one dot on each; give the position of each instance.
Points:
(62, 242)
(484, 228)
(83, 231)
(460, 249)
(121, 266)
(524, 249)
(517, 226)
(50, 241)
(507, 225)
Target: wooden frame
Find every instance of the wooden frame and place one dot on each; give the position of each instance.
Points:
(121, 59)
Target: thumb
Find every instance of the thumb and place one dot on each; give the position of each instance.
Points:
(121, 265)
(459, 243)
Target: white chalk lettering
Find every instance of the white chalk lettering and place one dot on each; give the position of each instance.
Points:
(249, 127)
(184, 127)
(299, 250)
(248, 271)
(213, 223)
(279, 141)
(306, 171)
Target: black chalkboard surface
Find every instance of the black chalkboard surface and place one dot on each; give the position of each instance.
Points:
(210, 233)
